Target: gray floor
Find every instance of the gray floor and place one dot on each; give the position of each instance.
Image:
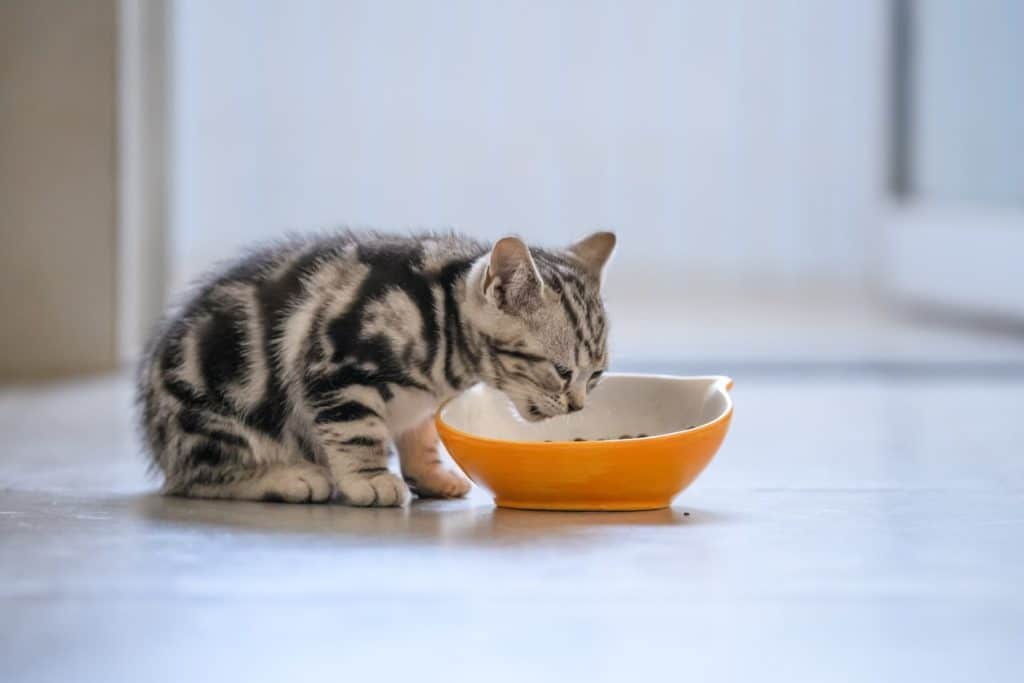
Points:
(852, 528)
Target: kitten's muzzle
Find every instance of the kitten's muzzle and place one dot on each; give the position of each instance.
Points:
(534, 413)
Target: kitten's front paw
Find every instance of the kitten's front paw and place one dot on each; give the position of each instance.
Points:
(383, 489)
(438, 482)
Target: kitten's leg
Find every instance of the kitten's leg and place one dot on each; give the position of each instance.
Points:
(355, 439)
(295, 483)
(422, 468)
(204, 454)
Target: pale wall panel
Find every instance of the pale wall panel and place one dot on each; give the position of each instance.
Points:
(740, 140)
(58, 192)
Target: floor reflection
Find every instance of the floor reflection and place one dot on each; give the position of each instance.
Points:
(474, 520)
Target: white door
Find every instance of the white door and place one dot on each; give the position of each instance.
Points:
(955, 231)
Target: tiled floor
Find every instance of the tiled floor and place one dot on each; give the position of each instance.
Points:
(851, 529)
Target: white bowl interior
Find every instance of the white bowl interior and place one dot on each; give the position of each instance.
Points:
(621, 405)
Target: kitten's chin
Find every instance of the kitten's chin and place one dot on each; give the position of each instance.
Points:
(525, 409)
(530, 412)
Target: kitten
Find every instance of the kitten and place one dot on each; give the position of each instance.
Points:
(288, 375)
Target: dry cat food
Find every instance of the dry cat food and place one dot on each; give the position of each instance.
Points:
(619, 438)
(624, 436)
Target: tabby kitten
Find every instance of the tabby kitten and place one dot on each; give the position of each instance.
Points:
(289, 374)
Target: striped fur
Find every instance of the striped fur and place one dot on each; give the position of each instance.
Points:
(290, 373)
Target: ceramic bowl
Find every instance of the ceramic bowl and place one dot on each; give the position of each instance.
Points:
(640, 440)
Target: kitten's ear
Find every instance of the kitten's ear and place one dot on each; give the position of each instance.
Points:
(511, 281)
(594, 252)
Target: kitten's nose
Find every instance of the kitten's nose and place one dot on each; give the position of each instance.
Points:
(575, 398)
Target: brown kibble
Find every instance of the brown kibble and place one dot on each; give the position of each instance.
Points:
(641, 436)
(626, 436)
(579, 439)
(686, 514)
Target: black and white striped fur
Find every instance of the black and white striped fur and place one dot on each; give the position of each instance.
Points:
(290, 373)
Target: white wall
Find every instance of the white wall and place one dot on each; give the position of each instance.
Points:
(969, 102)
(737, 139)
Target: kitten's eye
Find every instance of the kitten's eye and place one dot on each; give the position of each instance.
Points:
(563, 372)
(596, 375)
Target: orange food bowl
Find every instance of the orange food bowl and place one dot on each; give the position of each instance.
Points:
(645, 438)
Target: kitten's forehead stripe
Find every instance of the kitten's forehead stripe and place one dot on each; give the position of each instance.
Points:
(579, 302)
(572, 315)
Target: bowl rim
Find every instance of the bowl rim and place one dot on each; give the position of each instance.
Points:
(721, 383)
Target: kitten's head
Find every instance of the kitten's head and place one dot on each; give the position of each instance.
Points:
(543, 322)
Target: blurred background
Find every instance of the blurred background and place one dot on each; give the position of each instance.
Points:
(823, 199)
(793, 182)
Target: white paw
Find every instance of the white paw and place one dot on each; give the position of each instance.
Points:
(296, 484)
(438, 482)
(383, 489)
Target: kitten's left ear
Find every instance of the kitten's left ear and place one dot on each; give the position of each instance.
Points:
(594, 252)
(511, 280)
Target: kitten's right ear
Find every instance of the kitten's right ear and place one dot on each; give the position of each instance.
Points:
(511, 281)
(594, 252)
